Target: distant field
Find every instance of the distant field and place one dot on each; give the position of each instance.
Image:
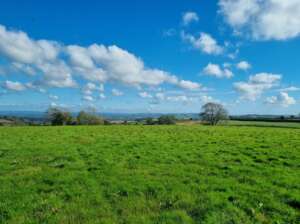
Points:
(150, 174)
(262, 124)
(248, 123)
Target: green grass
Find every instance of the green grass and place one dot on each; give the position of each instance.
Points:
(262, 124)
(149, 174)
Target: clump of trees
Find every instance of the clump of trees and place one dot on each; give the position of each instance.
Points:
(167, 119)
(162, 120)
(213, 113)
(88, 118)
(59, 116)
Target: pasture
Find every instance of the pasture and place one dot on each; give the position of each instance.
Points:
(150, 174)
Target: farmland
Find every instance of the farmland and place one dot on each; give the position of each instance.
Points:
(150, 174)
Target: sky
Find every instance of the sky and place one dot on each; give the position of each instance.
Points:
(150, 56)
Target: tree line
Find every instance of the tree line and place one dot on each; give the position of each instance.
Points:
(58, 116)
(211, 114)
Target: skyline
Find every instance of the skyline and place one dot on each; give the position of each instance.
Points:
(151, 56)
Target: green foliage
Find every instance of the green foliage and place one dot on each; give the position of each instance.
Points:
(166, 119)
(59, 116)
(86, 118)
(213, 113)
(150, 121)
(149, 174)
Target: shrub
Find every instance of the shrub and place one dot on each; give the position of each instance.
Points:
(86, 118)
(167, 119)
(59, 117)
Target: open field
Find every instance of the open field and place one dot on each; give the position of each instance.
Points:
(263, 124)
(149, 174)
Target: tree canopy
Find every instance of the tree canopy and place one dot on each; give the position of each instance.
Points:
(212, 113)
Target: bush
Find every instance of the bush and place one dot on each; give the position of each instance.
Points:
(167, 119)
(150, 121)
(85, 118)
(59, 117)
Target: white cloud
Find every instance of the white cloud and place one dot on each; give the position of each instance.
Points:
(27, 69)
(88, 98)
(207, 99)
(204, 42)
(290, 89)
(265, 78)
(102, 96)
(189, 85)
(216, 71)
(53, 97)
(116, 92)
(56, 74)
(79, 57)
(169, 32)
(17, 46)
(257, 85)
(189, 17)
(145, 95)
(58, 64)
(160, 96)
(89, 88)
(264, 20)
(227, 65)
(180, 98)
(283, 99)
(243, 65)
(13, 86)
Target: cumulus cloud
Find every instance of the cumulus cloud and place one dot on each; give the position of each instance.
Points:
(189, 17)
(243, 65)
(88, 98)
(188, 85)
(102, 96)
(264, 20)
(13, 86)
(58, 65)
(27, 69)
(204, 43)
(17, 46)
(290, 89)
(53, 97)
(283, 99)
(257, 85)
(145, 95)
(216, 71)
(57, 74)
(180, 98)
(31, 56)
(89, 88)
(207, 99)
(116, 92)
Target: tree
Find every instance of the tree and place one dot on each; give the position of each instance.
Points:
(150, 121)
(59, 117)
(213, 113)
(89, 118)
(167, 119)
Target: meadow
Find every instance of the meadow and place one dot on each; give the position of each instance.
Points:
(150, 174)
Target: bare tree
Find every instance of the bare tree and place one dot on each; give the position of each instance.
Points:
(213, 113)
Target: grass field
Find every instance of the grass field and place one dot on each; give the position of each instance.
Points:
(149, 174)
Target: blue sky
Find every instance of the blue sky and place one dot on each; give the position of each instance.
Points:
(151, 56)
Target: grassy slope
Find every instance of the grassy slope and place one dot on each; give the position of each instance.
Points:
(149, 174)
